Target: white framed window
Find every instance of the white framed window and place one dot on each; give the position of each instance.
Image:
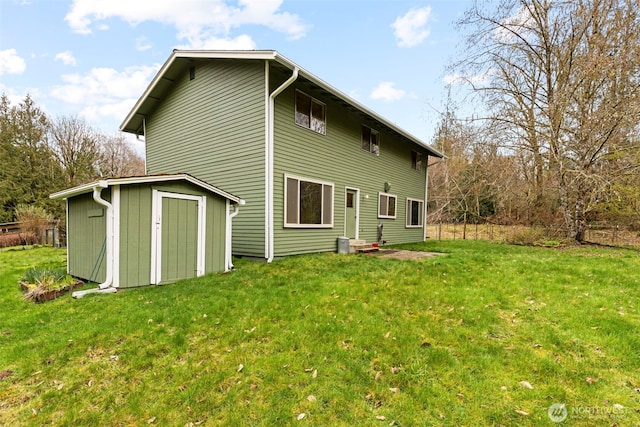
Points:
(370, 140)
(387, 205)
(308, 203)
(415, 212)
(310, 113)
(416, 160)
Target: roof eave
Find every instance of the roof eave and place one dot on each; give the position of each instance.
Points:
(104, 183)
(266, 55)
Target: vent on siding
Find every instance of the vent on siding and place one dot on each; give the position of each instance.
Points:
(192, 72)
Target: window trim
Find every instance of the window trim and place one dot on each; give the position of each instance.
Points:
(314, 181)
(312, 100)
(372, 131)
(380, 194)
(421, 217)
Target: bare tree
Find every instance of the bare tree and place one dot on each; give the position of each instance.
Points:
(119, 159)
(562, 82)
(76, 147)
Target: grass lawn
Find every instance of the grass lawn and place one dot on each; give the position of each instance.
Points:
(488, 335)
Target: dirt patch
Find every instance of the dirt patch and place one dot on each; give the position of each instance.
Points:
(407, 255)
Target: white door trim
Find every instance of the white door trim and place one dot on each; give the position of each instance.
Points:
(357, 207)
(156, 232)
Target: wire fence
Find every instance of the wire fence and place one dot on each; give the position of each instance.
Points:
(614, 235)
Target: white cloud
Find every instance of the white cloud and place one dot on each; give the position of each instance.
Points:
(143, 43)
(203, 21)
(387, 92)
(411, 28)
(206, 41)
(105, 92)
(11, 63)
(518, 23)
(67, 58)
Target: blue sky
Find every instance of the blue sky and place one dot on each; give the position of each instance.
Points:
(94, 58)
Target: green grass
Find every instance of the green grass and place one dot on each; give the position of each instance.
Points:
(461, 333)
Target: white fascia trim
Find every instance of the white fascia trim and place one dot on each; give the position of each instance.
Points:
(147, 179)
(81, 189)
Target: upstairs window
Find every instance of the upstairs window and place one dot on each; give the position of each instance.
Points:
(370, 140)
(415, 212)
(308, 203)
(386, 205)
(416, 161)
(310, 113)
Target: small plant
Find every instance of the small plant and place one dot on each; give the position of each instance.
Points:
(42, 284)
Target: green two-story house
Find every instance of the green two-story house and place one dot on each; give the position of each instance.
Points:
(311, 163)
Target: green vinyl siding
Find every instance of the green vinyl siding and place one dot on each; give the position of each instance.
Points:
(86, 237)
(338, 158)
(213, 128)
(136, 228)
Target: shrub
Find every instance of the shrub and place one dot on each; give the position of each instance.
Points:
(527, 237)
(33, 219)
(17, 239)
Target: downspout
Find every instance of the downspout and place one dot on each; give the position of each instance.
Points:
(426, 195)
(228, 263)
(269, 249)
(106, 286)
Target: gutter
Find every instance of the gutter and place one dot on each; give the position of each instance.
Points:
(107, 285)
(269, 234)
(228, 263)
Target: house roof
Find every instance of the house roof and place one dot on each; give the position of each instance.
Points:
(179, 59)
(146, 179)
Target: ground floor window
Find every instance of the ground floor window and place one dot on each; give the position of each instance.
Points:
(386, 205)
(415, 212)
(307, 202)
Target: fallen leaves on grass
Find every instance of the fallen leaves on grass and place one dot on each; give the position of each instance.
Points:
(526, 384)
(591, 380)
(311, 398)
(521, 412)
(5, 374)
(301, 416)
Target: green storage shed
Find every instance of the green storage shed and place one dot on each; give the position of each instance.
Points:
(137, 231)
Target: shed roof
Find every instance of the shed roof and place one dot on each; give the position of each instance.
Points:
(146, 179)
(180, 59)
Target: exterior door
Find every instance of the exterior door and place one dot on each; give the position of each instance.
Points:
(178, 246)
(351, 213)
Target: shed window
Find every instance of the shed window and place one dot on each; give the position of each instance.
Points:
(370, 140)
(310, 113)
(415, 212)
(308, 203)
(386, 205)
